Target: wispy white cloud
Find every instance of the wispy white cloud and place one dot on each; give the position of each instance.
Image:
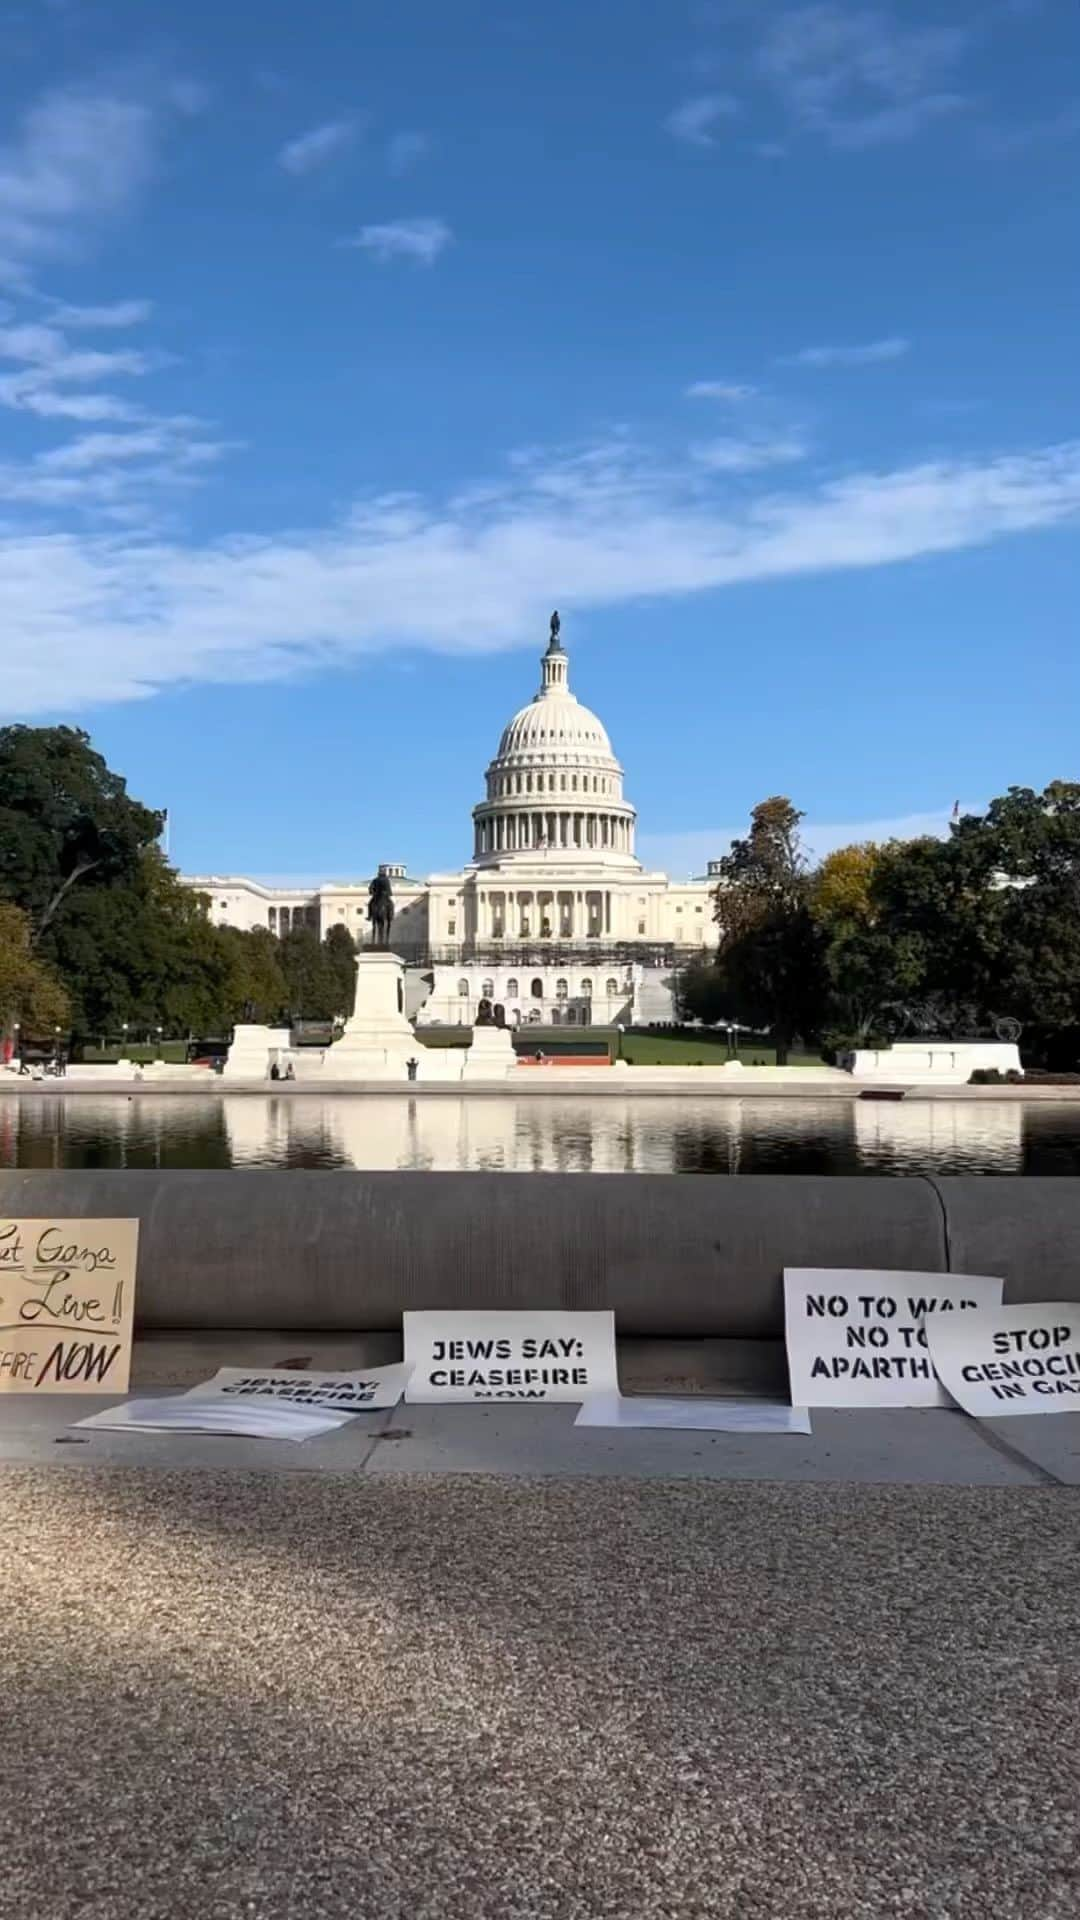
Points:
(110, 616)
(870, 353)
(698, 121)
(44, 353)
(690, 852)
(112, 476)
(857, 76)
(121, 313)
(44, 375)
(750, 454)
(78, 158)
(731, 391)
(95, 450)
(314, 149)
(421, 240)
(47, 404)
(405, 150)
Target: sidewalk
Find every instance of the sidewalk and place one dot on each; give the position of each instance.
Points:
(922, 1448)
(327, 1695)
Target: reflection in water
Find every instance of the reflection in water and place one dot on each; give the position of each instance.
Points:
(578, 1133)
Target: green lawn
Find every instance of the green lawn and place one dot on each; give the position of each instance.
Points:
(174, 1051)
(638, 1049)
(700, 1050)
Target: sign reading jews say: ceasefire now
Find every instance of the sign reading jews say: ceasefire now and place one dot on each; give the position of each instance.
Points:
(509, 1356)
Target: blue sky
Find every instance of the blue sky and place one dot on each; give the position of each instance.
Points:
(340, 344)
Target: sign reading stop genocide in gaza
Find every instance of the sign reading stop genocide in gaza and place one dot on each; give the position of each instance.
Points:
(67, 1305)
(1023, 1359)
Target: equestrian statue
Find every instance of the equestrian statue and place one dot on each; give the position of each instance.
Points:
(380, 909)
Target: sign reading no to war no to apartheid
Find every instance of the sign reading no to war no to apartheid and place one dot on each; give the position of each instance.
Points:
(1023, 1359)
(856, 1337)
(509, 1356)
(67, 1305)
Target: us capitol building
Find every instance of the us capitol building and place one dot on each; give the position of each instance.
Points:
(554, 918)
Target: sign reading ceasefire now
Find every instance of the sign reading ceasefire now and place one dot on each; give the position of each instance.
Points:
(67, 1305)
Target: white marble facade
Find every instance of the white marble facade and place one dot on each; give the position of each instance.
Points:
(554, 918)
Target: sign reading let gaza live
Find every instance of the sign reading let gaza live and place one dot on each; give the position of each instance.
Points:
(509, 1356)
(857, 1337)
(67, 1305)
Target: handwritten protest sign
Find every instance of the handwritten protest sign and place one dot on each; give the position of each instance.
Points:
(1004, 1360)
(856, 1337)
(67, 1305)
(509, 1356)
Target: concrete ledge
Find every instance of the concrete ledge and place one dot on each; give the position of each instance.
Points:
(675, 1256)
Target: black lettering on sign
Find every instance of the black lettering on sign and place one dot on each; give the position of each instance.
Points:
(55, 1303)
(53, 1251)
(11, 1251)
(21, 1366)
(79, 1361)
(816, 1304)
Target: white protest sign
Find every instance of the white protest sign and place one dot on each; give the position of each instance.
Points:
(856, 1336)
(1023, 1359)
(67, 1305)
(692, 1414)
(258, 1420)
(548, 1355)
(346, 1392)
(289, 1404)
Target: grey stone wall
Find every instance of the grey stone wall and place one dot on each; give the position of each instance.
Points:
(675, 1256)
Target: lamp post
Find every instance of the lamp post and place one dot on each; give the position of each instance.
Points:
(159, 1055)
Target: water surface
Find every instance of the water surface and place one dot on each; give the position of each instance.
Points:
(527, 1133)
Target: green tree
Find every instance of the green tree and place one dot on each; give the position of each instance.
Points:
(142, 953)
(341, 961)
(311, 986)
(257, 988)
(770, 955)
(31, 996)
(703, 992)
(66, 820)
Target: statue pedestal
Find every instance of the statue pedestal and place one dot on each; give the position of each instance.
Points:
(249, 1055)
(491, 1055)
(378, 1041)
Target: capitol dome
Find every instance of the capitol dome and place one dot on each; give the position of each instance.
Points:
(555, 787)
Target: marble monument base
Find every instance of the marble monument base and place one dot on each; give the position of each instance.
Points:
(490, 1055)
(251, 1049)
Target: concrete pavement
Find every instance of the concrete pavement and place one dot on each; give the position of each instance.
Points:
(912, 1448)
(266, 1696)
(472, 1663)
